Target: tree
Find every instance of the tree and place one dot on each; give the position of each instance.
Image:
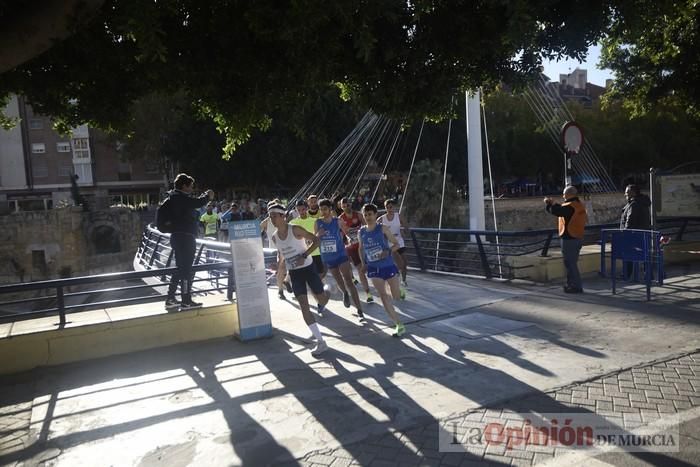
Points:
(239, 63)
(653, 47)
(424, 194)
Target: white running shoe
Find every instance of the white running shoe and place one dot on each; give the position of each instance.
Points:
(321, 347)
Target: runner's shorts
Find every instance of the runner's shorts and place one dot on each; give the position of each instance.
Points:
(335, 262)
(303, 276)
(318, 264)
(385, 272)
(353, 253)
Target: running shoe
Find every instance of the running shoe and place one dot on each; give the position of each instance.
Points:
(346, 300)
(320, 348)
(172, 304)
(370, 299)
(360, 315)
(399, 331)
(280, 294)
(190, 305)
(321, 309)
(402, 294)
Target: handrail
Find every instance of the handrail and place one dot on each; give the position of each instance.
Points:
(465, 257)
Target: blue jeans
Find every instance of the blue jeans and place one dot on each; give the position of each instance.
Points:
(570, 249)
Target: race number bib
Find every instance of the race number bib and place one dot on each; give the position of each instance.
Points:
(374, 253)
(329, 246)
(353, 235)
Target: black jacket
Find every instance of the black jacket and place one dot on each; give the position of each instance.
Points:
(636, 213)
(183, 214)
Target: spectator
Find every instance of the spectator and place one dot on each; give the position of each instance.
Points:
(572, 222)
(635, 215)
(183, 240)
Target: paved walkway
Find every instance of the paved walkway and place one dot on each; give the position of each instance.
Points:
(647, 393)
(473, 348)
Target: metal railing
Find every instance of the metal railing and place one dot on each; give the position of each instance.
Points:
(154, 261)
(489, 254)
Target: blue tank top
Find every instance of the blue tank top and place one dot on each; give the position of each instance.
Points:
(332, 246)
(373, 244)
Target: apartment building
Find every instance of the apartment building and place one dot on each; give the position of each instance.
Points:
(37, 164)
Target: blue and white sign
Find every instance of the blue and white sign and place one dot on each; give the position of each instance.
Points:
(253, 304)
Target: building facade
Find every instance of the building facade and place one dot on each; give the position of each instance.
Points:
(37, 165)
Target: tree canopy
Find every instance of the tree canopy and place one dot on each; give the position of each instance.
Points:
(238, 63)
(653, 47)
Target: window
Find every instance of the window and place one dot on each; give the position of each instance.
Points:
(36, 124)
(40, 170)
(63, 146)
(38, 148)
(81, 148)
(65, 171)
(80, 143)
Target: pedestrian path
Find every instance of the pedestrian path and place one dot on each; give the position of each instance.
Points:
(473, 348)
(647, 393)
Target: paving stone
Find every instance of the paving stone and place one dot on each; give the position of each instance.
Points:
(621, 402)
(321, 459)
(603, 405)
(341, 462)
(542, 458)
(637, 397)
(682, 405)
(521, 462)
(653, 393)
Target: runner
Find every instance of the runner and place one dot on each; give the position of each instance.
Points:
(281, 273)
(307, 222)
(393, 220)
(331, 231)
(354, 220)
(292, 242)
(312, 201)
(377, 262)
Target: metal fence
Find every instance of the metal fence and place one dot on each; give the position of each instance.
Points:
(153, 264)
(490, 254)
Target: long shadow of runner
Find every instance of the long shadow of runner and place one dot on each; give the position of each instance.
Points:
(404, 412)
(253, 444)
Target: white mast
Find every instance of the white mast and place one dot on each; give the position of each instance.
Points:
(475, 167)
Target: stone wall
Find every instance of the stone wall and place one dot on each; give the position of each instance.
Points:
(41, 245)
(514, 214)
(529, 213)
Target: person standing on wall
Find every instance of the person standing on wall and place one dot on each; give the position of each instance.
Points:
(572, 222)
(183, 214)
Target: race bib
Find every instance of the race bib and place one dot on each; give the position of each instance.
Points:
(329, 246)
(292, 262)
(353, 235)
(374, 253)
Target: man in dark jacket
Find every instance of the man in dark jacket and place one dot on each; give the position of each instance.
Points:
(635, 215)
(572, 222)
(183, 239)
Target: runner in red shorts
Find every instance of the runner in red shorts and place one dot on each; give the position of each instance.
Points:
(354, 220)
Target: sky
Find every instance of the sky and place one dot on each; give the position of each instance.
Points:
(553, 69)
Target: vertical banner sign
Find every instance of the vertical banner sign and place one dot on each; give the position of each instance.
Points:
(253, 304)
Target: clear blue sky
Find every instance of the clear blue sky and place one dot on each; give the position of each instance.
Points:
(553, 69)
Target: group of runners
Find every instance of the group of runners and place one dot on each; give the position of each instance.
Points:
(320, 237)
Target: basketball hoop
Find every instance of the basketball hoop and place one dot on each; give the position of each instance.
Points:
(572, 137)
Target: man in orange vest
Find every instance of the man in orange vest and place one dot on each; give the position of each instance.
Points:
(572, 221)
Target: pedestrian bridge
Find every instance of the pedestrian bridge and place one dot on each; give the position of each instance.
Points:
(123, 312)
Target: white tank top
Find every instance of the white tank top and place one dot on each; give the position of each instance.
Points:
(394, 226)
(291, 249)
